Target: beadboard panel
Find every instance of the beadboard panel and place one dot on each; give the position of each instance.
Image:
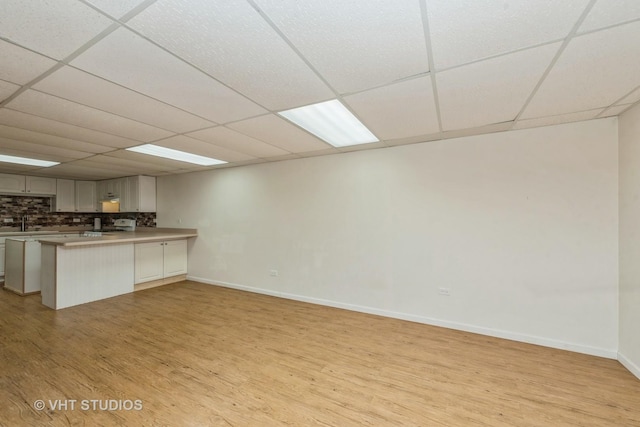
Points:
(91, 274)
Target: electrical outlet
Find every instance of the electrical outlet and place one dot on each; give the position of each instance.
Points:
(444, 292)
(273, 273)
(8, 220)
(76, 219)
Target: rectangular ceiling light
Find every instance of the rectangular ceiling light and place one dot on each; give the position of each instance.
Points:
(169, 153)
(27, 161)
(332, 122)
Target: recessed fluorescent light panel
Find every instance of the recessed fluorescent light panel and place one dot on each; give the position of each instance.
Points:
(332, 122)
(170, 153)
(27, 161)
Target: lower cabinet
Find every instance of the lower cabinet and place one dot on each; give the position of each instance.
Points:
(2, 261)
(159, 260)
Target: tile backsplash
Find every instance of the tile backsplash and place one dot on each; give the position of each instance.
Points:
(38, 212)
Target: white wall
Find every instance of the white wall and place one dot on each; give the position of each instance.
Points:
(521, 226)
(630, 240)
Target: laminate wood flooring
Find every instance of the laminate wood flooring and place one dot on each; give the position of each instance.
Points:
(190, 354)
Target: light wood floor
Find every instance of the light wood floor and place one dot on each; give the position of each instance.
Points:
(199, 355)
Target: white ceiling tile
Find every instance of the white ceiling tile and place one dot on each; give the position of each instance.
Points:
(120, 163)
(54, 28)
(232, 42)
(228, 138)
(78, 86)
(594, 71)
(92, 138)
(467, 30)
(632, 98)
(399, 110)
(20, 66)
(339, 46)
(491, 91)
(610, 12)
(195, 146)
(7, 143)
(71, 170)
(7, 89)
(145, 159)
(51, 140)
(55, 108)
(276, 131)
(7, 149)
(115, 8)
(14, 168)
(480, 130)
(133, 62)
(122, 170)
(556, 120)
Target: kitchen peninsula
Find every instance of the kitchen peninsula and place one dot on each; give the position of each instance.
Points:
(77, 270)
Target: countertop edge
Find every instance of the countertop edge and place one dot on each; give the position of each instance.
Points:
(116, 239)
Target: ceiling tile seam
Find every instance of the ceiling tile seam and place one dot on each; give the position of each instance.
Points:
(111, 28)
(195, 67)
(4, 39)
(145, 95)
(387, 84)
(103, 111)
(308, 63)
(127, 16)
(427, 41)
(258, 139)
(499, 55)
(615, 103)
(204, 142)
(292, 46)
(250, 136)
(608, 27)
(561, 114)
(556, 57)
(75, 125)
(59, 136)
(44, 144)
(626, 107)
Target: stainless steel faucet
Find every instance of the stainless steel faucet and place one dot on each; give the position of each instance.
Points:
(23, 223)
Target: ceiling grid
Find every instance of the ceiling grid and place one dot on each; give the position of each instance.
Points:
(83, 80)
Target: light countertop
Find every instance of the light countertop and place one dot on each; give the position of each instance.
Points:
(148, 235)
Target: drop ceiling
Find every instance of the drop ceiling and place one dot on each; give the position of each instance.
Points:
(81, 81)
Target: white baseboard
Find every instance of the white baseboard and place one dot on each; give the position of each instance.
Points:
(632, 367)
(514, 336)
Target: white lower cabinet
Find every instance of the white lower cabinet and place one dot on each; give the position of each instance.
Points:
(2, 261)
(159, 260)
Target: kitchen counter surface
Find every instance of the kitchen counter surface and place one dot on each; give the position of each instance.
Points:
(148, 235)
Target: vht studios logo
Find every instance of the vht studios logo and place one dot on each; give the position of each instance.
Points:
(89, 405)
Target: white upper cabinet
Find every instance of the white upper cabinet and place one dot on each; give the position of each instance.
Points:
(86, 200)
(139, 194)
(12, 183)
(40, 185)
(65, 195)
(20, 184)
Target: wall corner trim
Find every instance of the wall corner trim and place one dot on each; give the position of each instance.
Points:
(632, 367)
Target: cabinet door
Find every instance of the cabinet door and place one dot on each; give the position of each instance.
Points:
(2, 259)
(86, 200)
(148, 261)
(11, 184)
(65, 195)
(175, 258)
(129, 201)
(40, 185)
(146, 194)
